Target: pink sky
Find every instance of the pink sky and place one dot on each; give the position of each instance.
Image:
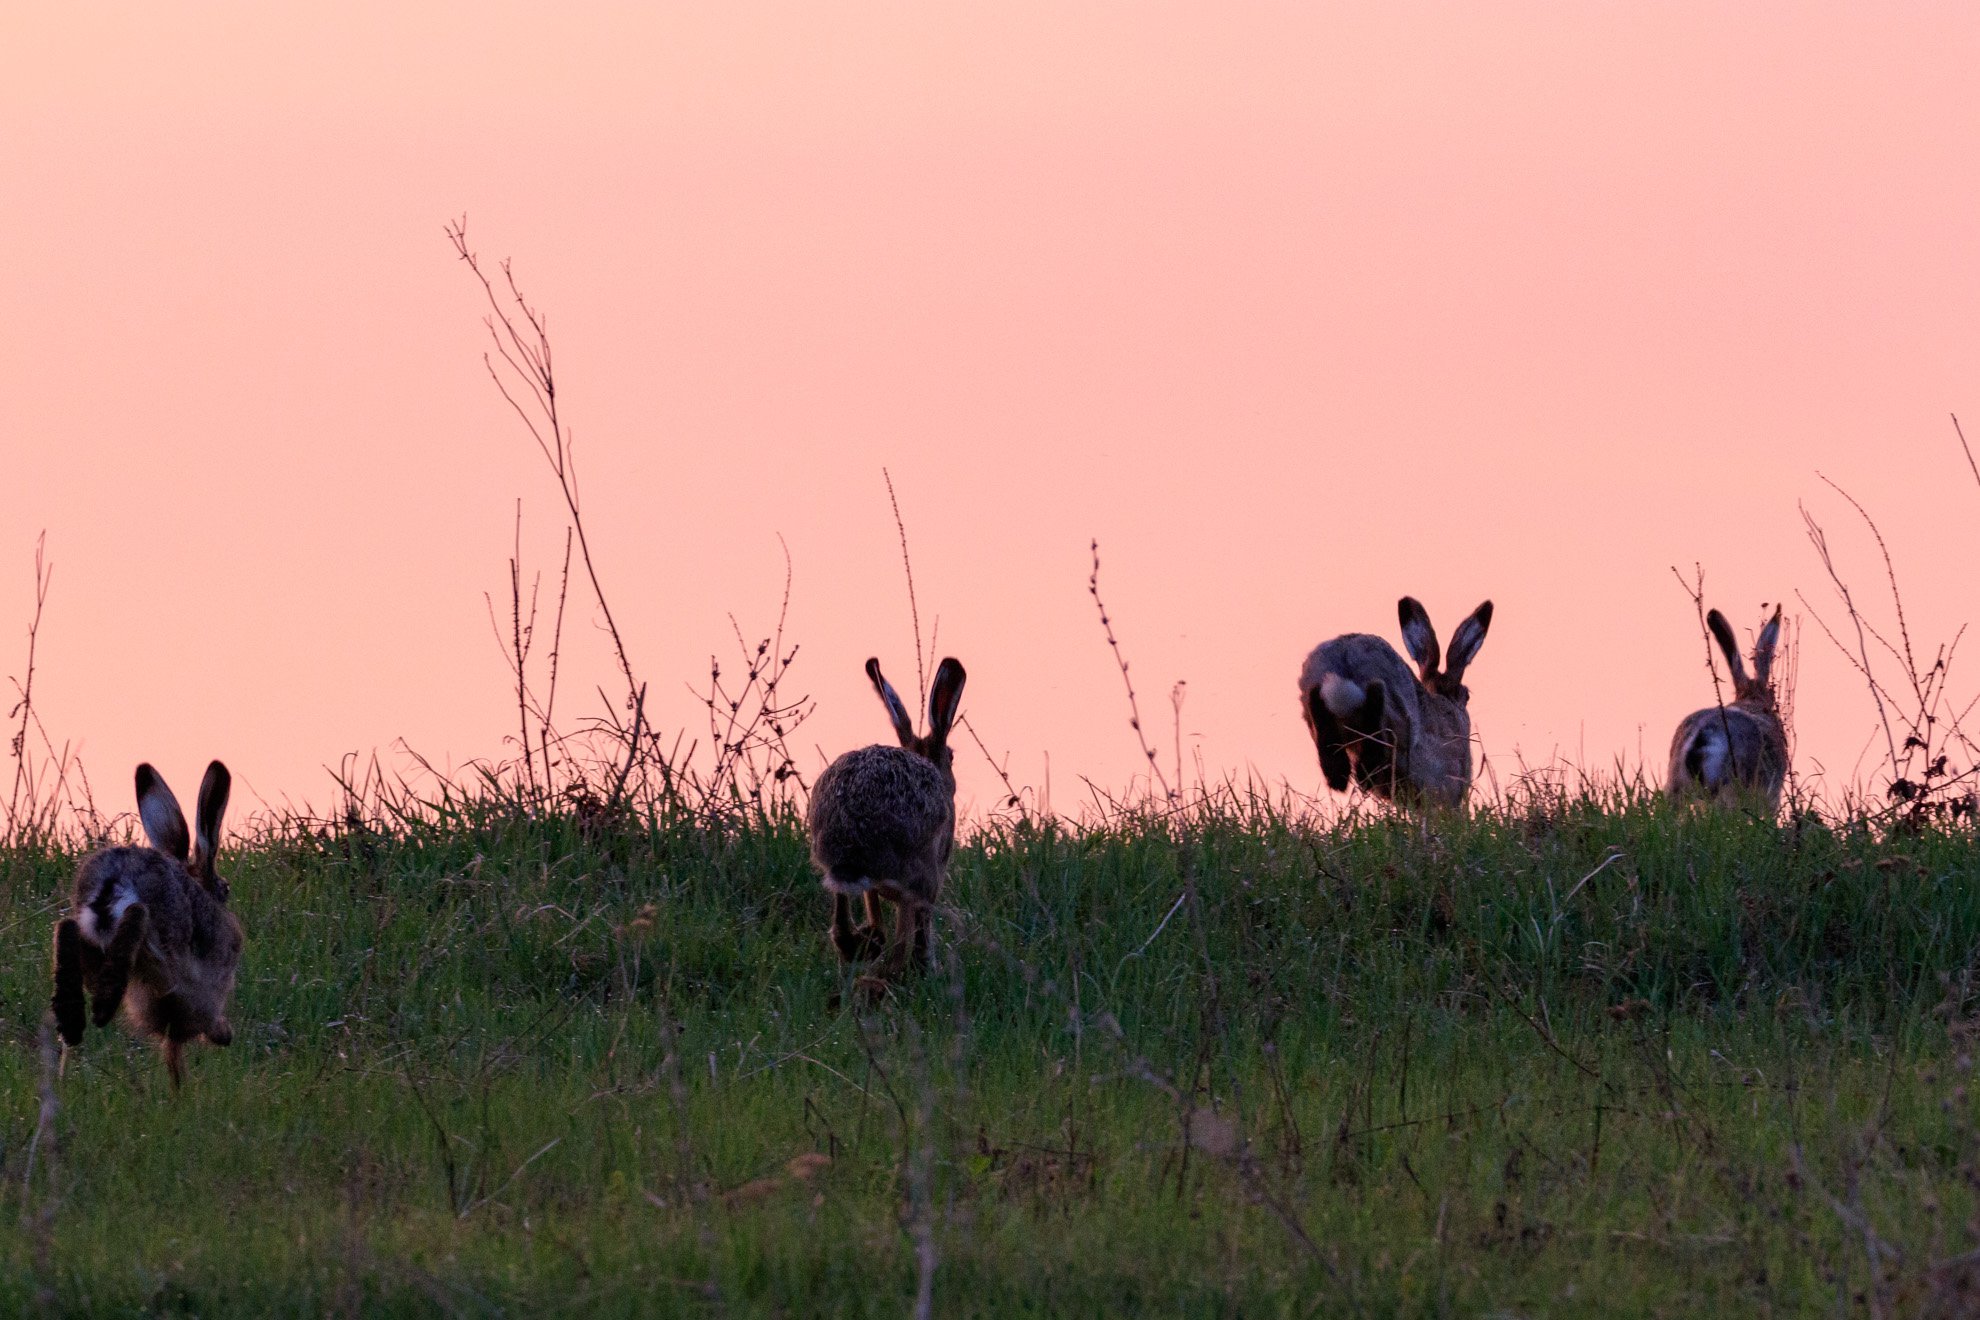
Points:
(1297, 308)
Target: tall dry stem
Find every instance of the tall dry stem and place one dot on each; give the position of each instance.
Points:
(1169, 793)
(522, 343)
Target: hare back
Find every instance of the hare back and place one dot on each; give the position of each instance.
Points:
(1361, 659)
(110, 880)
(1716, 748)
(186, 922)
(881, 818)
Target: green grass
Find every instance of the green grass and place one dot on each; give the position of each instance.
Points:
(1230, 1066)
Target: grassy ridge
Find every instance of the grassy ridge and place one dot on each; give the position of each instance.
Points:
(1603, 1058)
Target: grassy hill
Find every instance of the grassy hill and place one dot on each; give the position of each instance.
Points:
(1574, 1057)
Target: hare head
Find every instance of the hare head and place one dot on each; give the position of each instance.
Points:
(943, 699)
(165, 825)
(1440, 760)
(1754, 689)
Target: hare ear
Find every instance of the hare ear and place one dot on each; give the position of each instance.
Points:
(1418, 635)
(943, 699)
(1470, 635)
(213, 792)
(903, 726)
(1763, 650)
(1723, 634)
(164, 824)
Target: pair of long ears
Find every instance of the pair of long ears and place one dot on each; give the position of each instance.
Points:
(165, 824)
(943, 699)
(1763, 649)
(1421, 639)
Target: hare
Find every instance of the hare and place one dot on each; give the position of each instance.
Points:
(883, 822)
(1722, 752)
(1400, 735)
(148, 928)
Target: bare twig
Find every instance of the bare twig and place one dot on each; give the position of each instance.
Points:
(1134, 709)
(914, 610)
(1012, 798)
(1820, 541)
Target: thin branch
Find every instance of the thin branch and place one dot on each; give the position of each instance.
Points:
(1967, 449)
(1134, 709)
(914, 610)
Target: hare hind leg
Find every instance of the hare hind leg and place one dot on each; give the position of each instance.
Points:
(924, 937)
(70, 966)
(1331, 740)
(903, 941)
(855, 943)
(843, 938)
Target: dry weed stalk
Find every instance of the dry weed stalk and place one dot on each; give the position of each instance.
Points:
(525, 350)
(516, 647)
(1170, 794)
(914, 609)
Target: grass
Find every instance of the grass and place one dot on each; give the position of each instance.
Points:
(1598, 1058)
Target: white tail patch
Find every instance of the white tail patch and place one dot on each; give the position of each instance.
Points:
(1342, 695)
(1714, 756)
(122, 896)
(837, 885)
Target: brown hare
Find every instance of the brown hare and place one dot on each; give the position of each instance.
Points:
(148, 929)
(883, 823)
(1399, 734)
(1724, 752)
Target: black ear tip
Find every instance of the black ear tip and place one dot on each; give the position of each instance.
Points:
(954, 666)
(146, 777)
(873, 669)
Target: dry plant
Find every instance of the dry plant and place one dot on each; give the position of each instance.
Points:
(1010, 808)
(750, 723)
(522, 342)
(914, 608)
(617, 760)
(1931, 765)
(43, 803)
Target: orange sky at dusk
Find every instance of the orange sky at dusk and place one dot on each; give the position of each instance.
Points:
(1296, 308)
